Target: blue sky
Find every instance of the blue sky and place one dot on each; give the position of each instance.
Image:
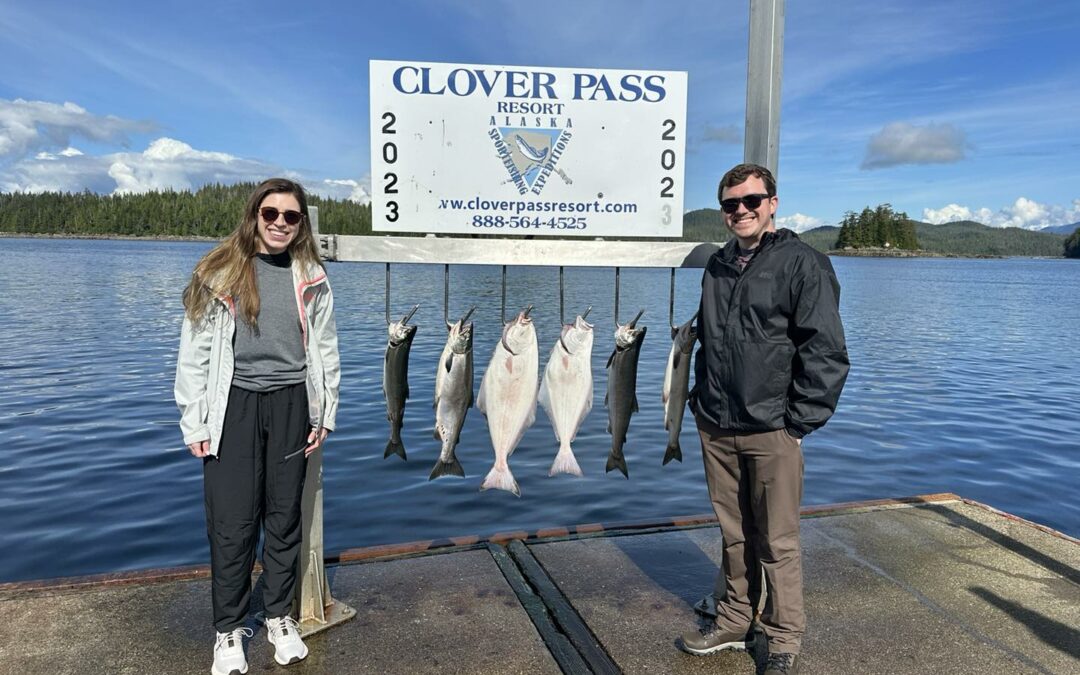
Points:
(946, 109)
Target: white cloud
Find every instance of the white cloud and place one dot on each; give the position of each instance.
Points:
(29, 126)
(166, 164)
(902, 143)
(355, 191)
(799, 222)
(1024, 213)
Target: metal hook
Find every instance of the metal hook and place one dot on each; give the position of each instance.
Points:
(502, 311)
(446, 296)
(407, 316)
(671, 304)
(388, 321)
(616, 297)
(562, 318)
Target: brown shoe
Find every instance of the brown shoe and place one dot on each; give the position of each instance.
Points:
(713, 639)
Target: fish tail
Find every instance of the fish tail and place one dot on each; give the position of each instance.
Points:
(673, 451)
(618, 462)
(395, 447)
(451, 468)
(565, 462)
(501, 479)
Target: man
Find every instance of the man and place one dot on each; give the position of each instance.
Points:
(770, 369)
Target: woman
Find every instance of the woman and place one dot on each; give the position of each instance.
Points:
(257, 386)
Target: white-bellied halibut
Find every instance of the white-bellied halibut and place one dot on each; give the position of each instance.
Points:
(621, 397)
(453, 394)
(677, 385)
(566, 391)
(508, 396)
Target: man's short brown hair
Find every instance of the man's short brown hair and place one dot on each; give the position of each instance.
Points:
(739, 173)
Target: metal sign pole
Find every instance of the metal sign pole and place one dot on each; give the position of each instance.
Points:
(763, 74)
(316, 608)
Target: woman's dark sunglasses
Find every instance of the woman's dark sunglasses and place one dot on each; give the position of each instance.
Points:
(751, 202)
(270, 214)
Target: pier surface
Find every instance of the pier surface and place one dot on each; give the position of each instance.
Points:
(921, 585)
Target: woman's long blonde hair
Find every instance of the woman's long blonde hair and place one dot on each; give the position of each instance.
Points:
(229, 269)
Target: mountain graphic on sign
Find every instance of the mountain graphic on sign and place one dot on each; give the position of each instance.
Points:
(529, 149)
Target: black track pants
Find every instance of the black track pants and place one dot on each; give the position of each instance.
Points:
(256, 479)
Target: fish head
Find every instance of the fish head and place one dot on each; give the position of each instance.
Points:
(685, 336)
(627, 334)
(577, 336)
(400, 332)
(461, 337)
(519, 333)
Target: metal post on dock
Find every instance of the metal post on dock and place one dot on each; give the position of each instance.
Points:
(316, 608)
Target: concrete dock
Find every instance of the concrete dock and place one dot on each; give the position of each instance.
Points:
(931, 584)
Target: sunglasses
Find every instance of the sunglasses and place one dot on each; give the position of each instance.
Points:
(751, 202)
(270, 215)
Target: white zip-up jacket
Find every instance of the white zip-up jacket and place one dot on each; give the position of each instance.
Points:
(204, 366)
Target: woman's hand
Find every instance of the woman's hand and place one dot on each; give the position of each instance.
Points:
(315, 440)
(200, 448)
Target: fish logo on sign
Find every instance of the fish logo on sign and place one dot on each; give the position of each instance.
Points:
(529, 155)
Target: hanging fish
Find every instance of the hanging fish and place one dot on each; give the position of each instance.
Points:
(621, 398)
(396, 379)
(677, 385)
(566, 391)
(508, 396)
(453, 394)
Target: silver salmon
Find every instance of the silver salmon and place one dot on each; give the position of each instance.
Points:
(396, 380)
(677, 385)
(621, 397)
(453, 394)
(508, 397)
(566, 391)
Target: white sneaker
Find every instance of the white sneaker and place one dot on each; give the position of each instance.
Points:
(284, 633)
(229, 656)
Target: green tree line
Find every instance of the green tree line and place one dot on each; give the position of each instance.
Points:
(881, 228)
(211, 211)
(1072, 244)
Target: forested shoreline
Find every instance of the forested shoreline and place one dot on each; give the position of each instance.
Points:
(213, 211)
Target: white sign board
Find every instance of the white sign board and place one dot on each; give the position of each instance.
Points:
(463, 148)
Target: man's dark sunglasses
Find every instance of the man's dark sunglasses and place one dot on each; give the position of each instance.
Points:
(751, 202)
(270, 214)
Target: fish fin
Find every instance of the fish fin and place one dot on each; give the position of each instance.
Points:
(565, 462)
(436, 433)
(395, 448)
(633, 406)
(447, 469)
(501, 479)
(673, 452)
(676, 359)
(611, 358)
(619, 463)
(449, 361)
(406, 392)
(606, 394)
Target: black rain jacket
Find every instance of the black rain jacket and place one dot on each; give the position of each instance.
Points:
(772, 353)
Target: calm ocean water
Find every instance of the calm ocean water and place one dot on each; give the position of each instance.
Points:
(965, 378)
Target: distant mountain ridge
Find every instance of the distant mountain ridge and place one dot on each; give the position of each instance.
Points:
(963, 238)
(1061, 229)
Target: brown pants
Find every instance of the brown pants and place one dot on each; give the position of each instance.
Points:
(755, 484)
